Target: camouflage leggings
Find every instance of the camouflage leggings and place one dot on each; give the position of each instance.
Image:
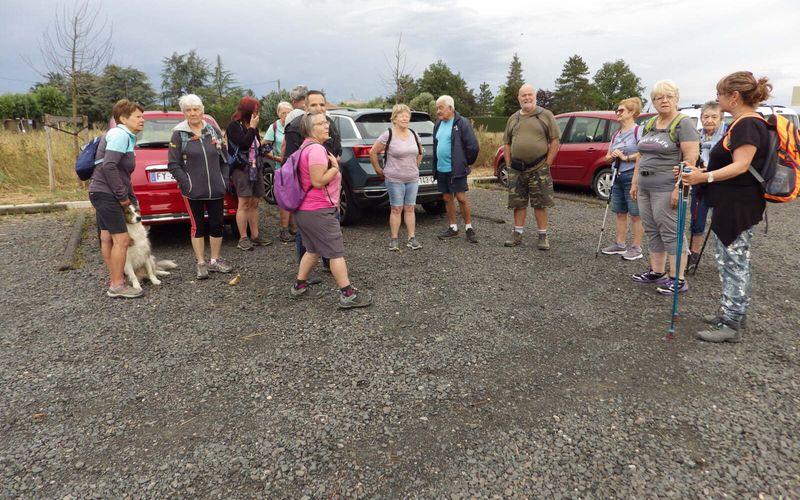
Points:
(735, 274)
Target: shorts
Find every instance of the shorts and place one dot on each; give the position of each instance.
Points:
(245, 188)
(402, 193)
(109, 213)
(534, 186)
(446, 183)
(322, 234)
(621, 201)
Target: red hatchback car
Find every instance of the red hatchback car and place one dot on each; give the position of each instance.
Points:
(585, 137)
(160, 200)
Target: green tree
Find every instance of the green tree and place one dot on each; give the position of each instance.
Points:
(485, 99)
(184, 74)
(51, 100)
(222, 80)
(438, 79)
(513, 82)
(544, 98)
(615, 81)
(125, 83)
(424, 102)
(20, 106)
(499, 103)
(573, 91)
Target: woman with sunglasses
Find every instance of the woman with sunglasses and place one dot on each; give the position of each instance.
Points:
(624, 149)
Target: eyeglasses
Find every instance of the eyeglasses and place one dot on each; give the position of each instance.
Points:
(620, 111)
(665, 97)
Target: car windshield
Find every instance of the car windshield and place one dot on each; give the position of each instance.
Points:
(374, 124)
(156, 133)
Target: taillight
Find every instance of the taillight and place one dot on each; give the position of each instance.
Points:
(361, 151)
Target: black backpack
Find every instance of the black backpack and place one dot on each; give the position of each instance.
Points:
(389, 140)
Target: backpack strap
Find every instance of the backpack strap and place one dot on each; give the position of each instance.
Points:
(416, 138)
(649, 125)
(672, 129)
(726, 140)
(637, 128)
(386, 148)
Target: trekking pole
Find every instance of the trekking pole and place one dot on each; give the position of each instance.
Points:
(683, 198)
(700, 255)
(614, 170)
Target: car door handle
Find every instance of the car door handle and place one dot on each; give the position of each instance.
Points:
(591, 149)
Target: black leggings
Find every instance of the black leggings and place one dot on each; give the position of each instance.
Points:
(216, 219)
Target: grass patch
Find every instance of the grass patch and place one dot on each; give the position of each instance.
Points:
(23, 167)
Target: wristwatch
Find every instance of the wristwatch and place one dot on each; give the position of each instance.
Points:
(710, 177)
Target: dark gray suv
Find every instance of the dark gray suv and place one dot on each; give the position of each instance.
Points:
(362, 189)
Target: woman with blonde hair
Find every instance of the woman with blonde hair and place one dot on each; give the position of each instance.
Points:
(274, 137)
(736, 197)
(402, 153)
(624, 149)
(668, 139)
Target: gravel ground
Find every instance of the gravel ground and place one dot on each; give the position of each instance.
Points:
(480, 371)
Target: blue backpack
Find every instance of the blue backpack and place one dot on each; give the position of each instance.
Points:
(288, 191)
(86, 161)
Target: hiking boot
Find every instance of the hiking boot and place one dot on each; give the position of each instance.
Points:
(219, 266)
(124, 291)
(650, 277)
(394, 245)
(202, 271)
(724, 331)
(471, 236)
(694, 259)
(615, 249)
(298, 291)
(668, 288)
(633, 253)
(244, 244)
(285, 236)
(544, 242)
(715, 319)
(292, 229)
(413, 244)
(448, 233)
(313, 278)
(257, 241)
(356, 299)
(515, 241)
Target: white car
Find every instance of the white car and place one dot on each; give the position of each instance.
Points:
(765, 110)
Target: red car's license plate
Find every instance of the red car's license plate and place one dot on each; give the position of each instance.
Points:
(161, 177)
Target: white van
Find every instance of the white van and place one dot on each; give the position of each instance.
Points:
(765, 110)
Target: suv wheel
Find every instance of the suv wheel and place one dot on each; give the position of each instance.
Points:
(602, 184)
(434, 207)
(502, 173)
(269, 184)
(349, 212)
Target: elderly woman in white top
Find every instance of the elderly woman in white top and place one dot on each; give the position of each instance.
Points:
(274, 137)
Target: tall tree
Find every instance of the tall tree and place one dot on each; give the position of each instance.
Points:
(222, 80)
(573, 90)
(485, 99)
(438, 79)
(269, 106)
(615, 81)
(79, 44)
(544, 98)
(184, 74)
(513, 82)
(499, 104)
(424, 101)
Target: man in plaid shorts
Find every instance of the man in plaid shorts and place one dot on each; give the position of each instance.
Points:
(531, 143)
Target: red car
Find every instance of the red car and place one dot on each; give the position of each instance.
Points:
(160, 200)
(585, 136)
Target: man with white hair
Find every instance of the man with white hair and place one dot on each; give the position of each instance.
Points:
(455, 148)
(530, 146)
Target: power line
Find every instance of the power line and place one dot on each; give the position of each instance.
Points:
(17, 80)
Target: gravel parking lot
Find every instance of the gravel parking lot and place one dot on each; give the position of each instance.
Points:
(480, 371)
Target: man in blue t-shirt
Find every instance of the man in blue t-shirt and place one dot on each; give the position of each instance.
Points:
(455, 148)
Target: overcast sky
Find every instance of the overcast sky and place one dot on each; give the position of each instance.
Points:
(343, 46)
